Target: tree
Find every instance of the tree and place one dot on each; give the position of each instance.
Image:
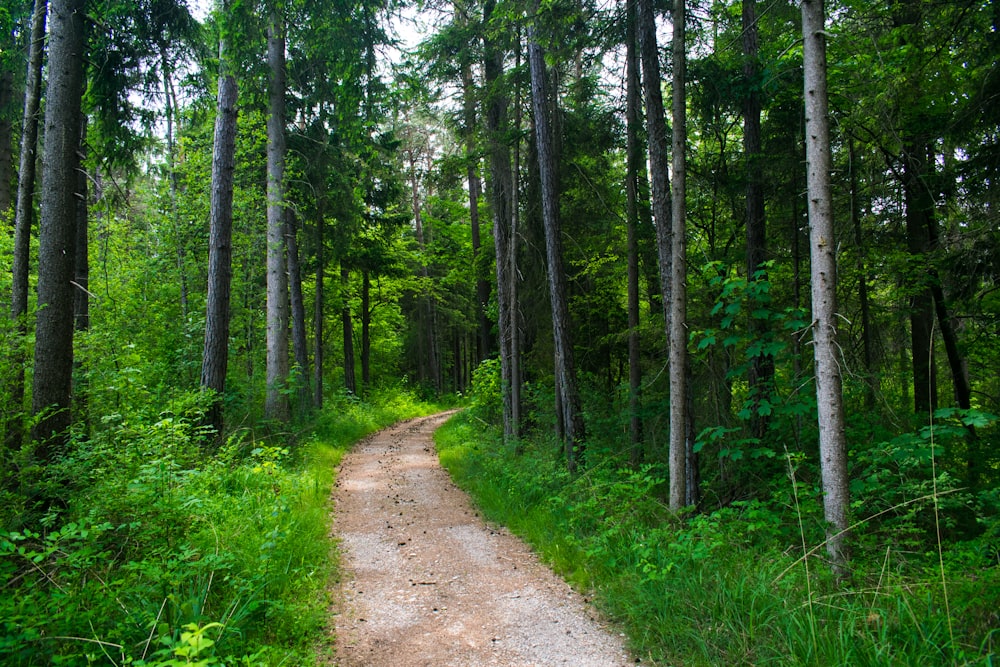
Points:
(634, 158)
(823, 248)
(53, 370)
(567, 394)
(680, 430)
(215, 359)
(24, 214)
(276, 400)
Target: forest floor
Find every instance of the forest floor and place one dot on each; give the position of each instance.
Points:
(426, 582)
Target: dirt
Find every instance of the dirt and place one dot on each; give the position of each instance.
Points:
(426, 582)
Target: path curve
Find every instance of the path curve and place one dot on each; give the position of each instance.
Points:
(426, 583)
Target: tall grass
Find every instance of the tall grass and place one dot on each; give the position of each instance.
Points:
(163, 555)
(728, 587)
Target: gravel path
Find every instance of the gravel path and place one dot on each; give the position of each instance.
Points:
(427, 583)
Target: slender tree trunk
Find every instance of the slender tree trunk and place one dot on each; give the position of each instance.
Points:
(501, 196)
(53, 371)
(24, 219)
(276, 400)
(761, 374)
(318, 306)
(366, 336)
(6, 143)
(659, 161)
(680, 378)
(513, 272)
(170, 101)
(472, 176)
(81, 280)
(565, 371)
(829, 393)
(350, 378)
(215, 359)
(634, 159)
(299, 345)
(867, 353)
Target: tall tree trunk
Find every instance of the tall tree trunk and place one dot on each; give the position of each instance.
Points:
(276, 400)
(24, 219)
(680, 443)
(501, 197)
(53, 371)
(170, 102)
(634, 159)
(81, 280)
(215, 359)
(299, 346)
(513, 273)
(565, 371)
(318, 295)
(657, 137)
(366, 335)
(472, 176)
(867, 352)
(829, 392)
(350, 378)
(761, 375)
(6, 142)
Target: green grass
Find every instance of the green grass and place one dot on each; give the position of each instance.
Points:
(729, 587)
(163, 554)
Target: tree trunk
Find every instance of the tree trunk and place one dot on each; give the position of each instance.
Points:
(299, 345)
(867, 352)
(24, 220)
(215, 359)
(81, 281)
(472, 176)
(829, 393)
(276, 406)
(350, 378)
(761, 374)
(659, 161)
(565, 371)
(53, 371)
(6, 142)
(634, 159)
(366, 335)
(318, 320)
(501, 196)
(680, 444)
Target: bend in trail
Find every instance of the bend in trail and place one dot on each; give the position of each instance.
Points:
(427, 583)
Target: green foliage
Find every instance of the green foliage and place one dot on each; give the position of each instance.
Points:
(161, 555)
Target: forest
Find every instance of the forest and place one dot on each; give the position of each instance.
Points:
(715, 282)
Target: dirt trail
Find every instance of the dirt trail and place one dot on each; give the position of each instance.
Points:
(427, 583)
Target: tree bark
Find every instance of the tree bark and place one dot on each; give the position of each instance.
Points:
(318, 306)
(366, 335)
(501, 193)
(215, 358)
(276, 405)
(867, 352)
(565, 372)
(53, 371)
(659, 161)
(680, 444)
(24, 220)
(299, 346)
(829, 393)
(634, 159)
(350, 378)
(81, 280)
(484, 347)
(761, 374)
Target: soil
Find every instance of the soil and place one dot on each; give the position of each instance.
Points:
(426, 582)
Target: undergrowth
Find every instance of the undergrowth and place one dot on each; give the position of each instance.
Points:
(729, 586)
(162, 554)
